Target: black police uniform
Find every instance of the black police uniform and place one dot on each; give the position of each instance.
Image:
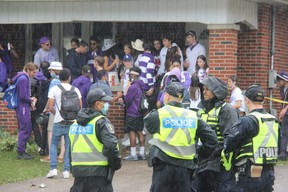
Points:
(247, 128)
(169, 173)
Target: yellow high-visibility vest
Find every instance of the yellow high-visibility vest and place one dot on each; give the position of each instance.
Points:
(85, 147)
(263, 148)
(177, 132)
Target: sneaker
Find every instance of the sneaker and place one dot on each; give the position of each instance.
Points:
(45, 159)
(130, 158)
(142, 157)
(42, 152)
(282, 156)
(52, 173)
(24, 155)
(66, 174)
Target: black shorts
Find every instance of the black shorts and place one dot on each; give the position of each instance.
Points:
(134, 124)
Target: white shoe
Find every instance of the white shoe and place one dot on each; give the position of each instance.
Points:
(66, 174)
(52, 173)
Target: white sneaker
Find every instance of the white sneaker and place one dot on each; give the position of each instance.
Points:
(66, 174)
(52, 173)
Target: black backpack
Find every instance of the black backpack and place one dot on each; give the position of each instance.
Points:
(70, 103)
(144, 105)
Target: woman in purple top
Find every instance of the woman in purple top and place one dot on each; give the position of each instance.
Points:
(134, 124)
(23, 109)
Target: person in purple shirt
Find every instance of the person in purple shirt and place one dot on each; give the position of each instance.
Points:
(94, 51)
(3, 74)
(83, 83)
(7, 50)
(23, 109)
(147, 66)
(134, 120)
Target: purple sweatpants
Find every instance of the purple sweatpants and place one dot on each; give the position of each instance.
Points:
(25, 125)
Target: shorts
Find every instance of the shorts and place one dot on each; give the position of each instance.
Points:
(134, 124)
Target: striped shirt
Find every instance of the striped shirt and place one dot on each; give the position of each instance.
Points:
(147, 66)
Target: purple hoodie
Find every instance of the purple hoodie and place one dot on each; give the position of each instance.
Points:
(83, 83)
(133, 98)
(23, 91)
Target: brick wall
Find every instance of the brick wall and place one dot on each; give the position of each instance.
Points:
(8, 119)
(117, 117)
(222, 53)
(254, 50)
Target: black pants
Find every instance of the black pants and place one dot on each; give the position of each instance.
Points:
(91, 184)
(36, 131)
(262, 184)
(208, 181)
(171, 178)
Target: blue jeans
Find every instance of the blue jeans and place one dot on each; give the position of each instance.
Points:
(59, 130)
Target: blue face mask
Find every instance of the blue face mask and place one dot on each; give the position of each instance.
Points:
(105, 108)
(53, 75)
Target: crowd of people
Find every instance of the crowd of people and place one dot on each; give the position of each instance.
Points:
(199, 142)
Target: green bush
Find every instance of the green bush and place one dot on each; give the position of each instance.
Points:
(7, 141)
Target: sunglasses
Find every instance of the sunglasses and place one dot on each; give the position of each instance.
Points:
(47, 44)
(92, 43)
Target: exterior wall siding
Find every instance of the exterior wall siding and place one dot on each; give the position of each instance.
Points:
(204, 11)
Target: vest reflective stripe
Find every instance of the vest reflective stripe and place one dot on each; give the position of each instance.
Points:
(212, 119)
(263, 148)
(85, 147)
(177, 132)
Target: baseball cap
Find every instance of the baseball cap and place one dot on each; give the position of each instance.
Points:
(254, 93)
(175, 89)
(97, 94)
(127, 58)
(44, 40)
(86, 69)
(282, 75)
(55, 65)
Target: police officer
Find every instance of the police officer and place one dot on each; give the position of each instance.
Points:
(220, 116)
(255, 139)
(174, 130)
(94, 148)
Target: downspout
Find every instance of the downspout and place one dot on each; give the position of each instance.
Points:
(272, 52)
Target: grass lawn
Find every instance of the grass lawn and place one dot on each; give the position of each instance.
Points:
(13, 170)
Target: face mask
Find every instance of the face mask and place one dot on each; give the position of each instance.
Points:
(105, 108)
(53, 75)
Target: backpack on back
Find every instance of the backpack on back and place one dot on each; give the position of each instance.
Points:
(10, 96)
(70, 103)
(144, 105)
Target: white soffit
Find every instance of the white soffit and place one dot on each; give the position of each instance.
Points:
(202, 11)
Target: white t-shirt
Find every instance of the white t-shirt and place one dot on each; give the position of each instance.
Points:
(55, 93)
(236, 95)
(194, 103)
(192, 56)
(163, 54)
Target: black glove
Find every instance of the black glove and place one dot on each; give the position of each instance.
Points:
(115, 163)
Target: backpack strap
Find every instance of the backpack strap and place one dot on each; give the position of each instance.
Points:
(62, 88)
(72, 88)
